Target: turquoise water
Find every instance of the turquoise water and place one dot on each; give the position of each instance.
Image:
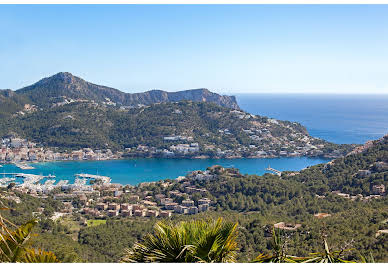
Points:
(135, 171)
(336, 118)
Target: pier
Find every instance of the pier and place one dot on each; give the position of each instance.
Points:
(104, 179)
(276, 172)
(22, 175)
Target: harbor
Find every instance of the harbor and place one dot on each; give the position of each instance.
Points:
(45, 183)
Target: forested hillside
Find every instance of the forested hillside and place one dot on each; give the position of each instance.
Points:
(217, 130)
(255, 202)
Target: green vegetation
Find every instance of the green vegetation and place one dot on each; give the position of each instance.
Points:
(85, 125)
(194, 241)
(13, 244)
(96, 222)
(256, 203)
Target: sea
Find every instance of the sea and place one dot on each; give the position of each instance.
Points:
(336, 118)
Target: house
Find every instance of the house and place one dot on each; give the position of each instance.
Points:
(378, 189)
(188, 203)
(193, 210)
(150, 203)
(170, 206)
(166, 200)
(152, 213)
(137, 207)
(113, 206)
(139, 213)
(204, 201)
(113, 213)
(165, 214)
(203, 207)
(322, 215)
(181, 209)
(126, 207)
(287, 226)
(102, 206)
(126, 213)
(364, 173)
(134, 198)
(160, 196)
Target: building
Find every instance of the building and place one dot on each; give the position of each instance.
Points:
(287, 226)
(102, 206)
(134, 198)
(126, 207)
(204, 201)
(113, 206)
(126, 213)
(139, 213)
(364, 173)
(137, 207)
(188, 203)
(378, 189)
(322, 215)
(193, 210)
(150, 203)
(113, 213)
(181, 209)
(159, 196)
(203, 207)
(165, 214)
(152, 213)
(164, 201)
(170, 206)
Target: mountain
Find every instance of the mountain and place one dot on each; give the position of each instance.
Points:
(10, 102)
(66, 87)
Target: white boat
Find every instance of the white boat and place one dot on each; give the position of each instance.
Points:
(24, 166)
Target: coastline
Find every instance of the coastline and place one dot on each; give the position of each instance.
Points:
(133, 171)
(168, 158)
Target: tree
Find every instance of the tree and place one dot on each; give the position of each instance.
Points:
(13, 245)
(192, 241)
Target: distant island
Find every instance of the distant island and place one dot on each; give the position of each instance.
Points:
(66, 118)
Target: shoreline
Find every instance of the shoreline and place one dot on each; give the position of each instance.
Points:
(143, 170)
(167, 158)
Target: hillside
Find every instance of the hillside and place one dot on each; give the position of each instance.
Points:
(303, 200)
(64, 87)
(182, 129)
(360, 172)
(10, 102)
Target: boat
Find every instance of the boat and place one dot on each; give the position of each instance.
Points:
(24, 166)
(51, 176)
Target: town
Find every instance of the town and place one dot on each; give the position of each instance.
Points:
(100, 199)
(261, 142)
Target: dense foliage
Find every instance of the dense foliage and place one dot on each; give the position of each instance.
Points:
(192, 241)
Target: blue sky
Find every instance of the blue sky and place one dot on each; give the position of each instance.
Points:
(226, 48)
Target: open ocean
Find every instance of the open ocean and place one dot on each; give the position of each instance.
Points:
(336, 118)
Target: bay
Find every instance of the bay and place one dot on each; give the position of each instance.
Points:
(135, 171)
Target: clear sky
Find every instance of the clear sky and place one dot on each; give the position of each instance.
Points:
(226, 48)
